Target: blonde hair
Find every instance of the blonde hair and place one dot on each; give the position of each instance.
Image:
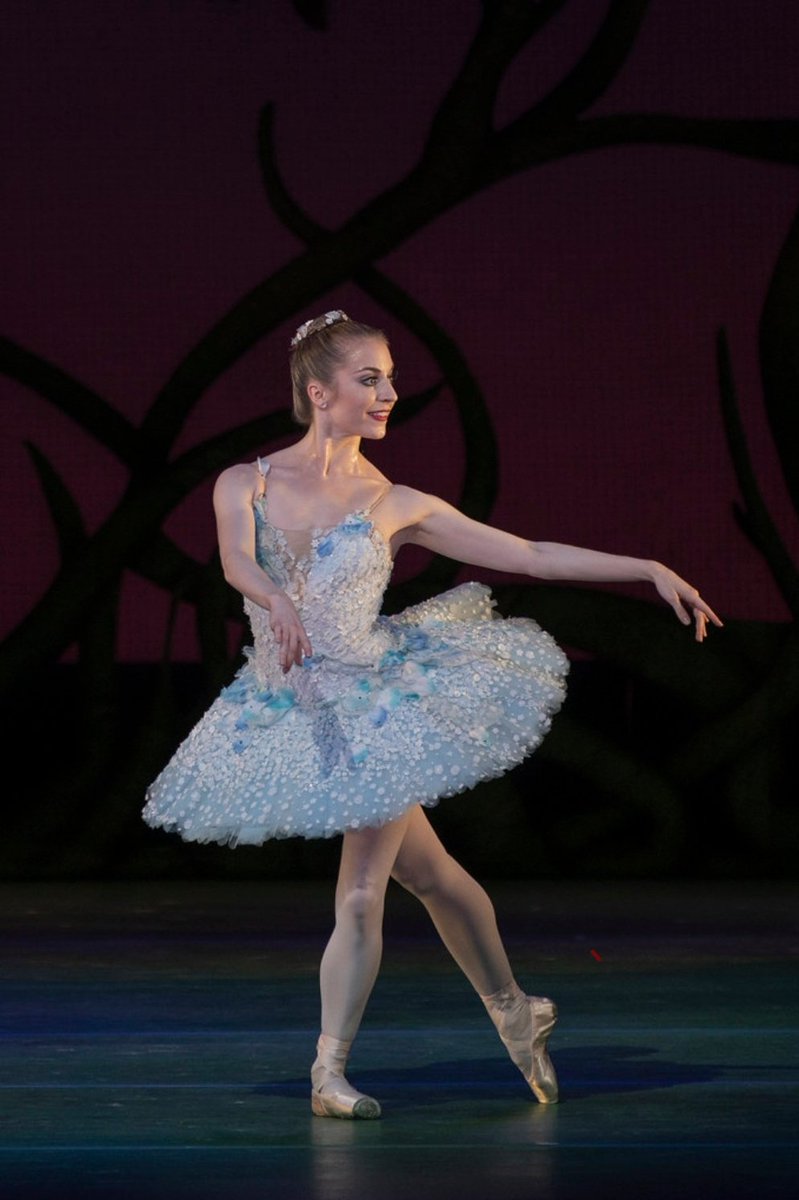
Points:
(318, 349)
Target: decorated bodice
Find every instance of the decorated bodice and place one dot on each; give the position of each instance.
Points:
(336, 576)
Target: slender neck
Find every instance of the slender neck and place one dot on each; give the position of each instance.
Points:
(325, 454)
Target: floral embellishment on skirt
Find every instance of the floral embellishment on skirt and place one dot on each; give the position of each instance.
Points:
(260, 708)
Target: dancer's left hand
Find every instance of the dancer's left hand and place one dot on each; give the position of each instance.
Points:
(679, 594)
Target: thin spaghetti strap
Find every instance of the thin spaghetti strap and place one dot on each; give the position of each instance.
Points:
(371, 507)
(264, 467)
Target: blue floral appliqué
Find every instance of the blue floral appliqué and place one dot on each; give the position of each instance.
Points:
(417, 639)
(260, 708)
(379, 698)
(237, 691)
(356, 524)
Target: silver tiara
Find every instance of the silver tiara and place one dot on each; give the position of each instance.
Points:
(330, 318)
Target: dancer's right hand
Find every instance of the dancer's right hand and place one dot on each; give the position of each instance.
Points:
(292, 640)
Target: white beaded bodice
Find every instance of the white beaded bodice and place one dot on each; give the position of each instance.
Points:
(336, 577)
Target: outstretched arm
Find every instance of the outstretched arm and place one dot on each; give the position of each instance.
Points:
(438, 526)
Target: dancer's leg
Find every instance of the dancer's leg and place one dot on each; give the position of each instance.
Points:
(458, 906)
(464, 917)
(350, 964)
(352, 957)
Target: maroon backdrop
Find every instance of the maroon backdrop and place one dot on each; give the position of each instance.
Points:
(585, 294)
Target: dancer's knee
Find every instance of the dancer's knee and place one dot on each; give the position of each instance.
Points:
(361, 908)
(425, 878)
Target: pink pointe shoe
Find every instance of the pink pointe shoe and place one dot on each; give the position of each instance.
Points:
(331, 1094)
(524, 1024)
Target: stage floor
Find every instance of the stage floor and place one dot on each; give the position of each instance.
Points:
(156, 1040)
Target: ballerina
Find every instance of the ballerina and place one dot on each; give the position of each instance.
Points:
(346, 722)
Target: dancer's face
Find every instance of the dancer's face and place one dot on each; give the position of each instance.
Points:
(362, 393)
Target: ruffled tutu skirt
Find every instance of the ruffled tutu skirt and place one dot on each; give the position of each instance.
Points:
(457, 695)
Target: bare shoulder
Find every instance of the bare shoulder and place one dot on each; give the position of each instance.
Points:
(236, 483)
(405, 496)
(408, 505)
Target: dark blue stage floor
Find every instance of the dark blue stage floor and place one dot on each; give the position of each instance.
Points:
(157, 1039)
